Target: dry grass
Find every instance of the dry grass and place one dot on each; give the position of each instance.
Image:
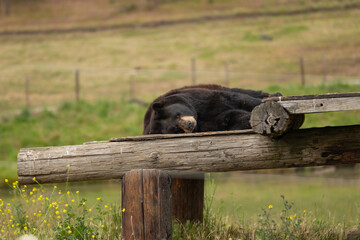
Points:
(65, 14)
(105, 59)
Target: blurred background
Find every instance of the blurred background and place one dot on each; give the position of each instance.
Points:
(74, 71)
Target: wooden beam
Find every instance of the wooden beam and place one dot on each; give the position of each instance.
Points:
(146, 205)
(319, 103)
(207, 152)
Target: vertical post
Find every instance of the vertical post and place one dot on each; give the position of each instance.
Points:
(131, 83)
(77, 85)
(302, 71)
(27, 92)
(6, 7)
(193, 71)
(203, 3)
(227, 78)
(324, 68)
(188, 197)
(146, 205)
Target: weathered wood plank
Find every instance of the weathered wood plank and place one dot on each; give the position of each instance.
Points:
(310, 97)
(188, 197)
(319, 103)
(146, 204)
(234, 151)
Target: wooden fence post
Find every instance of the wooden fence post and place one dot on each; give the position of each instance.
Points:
(27, 92)
(324, 67)
(77, 85)
(6, 7)
(146, 205)
(133, 73)
(188, 197)
(227, 78)
(193, 71)
(302, 71)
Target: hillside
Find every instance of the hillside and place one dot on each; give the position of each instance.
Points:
(259, 51)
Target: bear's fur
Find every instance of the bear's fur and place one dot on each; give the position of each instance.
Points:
(202, 108)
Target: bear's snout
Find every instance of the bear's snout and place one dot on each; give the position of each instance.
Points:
(187, 123)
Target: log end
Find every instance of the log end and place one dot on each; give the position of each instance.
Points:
(270, 118)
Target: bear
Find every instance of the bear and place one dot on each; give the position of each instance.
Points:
(202, 108)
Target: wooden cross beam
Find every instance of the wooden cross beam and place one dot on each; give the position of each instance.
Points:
(279, 115)
(198, 152)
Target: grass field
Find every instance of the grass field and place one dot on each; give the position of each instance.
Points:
(237, 206)
(67, 14)
(162, 56)
(106, 59)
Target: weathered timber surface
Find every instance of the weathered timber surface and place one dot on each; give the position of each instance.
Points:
(146, 205)
(188, 197)
(236, 150)
(270, 118)
(319, 103)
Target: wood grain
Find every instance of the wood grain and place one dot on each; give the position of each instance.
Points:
(146, 205)
(188, 197)
(270, 118)
(238, 150)
(319, 103)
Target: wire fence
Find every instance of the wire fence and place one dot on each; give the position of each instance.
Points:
(50, 86)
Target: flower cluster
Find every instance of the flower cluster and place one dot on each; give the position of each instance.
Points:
(55, 212)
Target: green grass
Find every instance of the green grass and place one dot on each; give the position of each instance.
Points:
(334, 200)
(65, 211)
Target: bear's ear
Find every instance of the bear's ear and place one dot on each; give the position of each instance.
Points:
(158, 106)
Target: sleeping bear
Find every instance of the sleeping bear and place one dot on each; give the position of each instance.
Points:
(202, 108)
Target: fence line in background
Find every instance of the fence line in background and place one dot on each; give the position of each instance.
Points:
(77, 85)
(324, 67)
(193, 71)
(302, 70)
(27, 92)
(138, 77)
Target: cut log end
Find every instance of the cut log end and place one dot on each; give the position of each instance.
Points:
(270, 118)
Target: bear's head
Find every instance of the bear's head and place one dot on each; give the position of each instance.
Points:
(172, 114)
